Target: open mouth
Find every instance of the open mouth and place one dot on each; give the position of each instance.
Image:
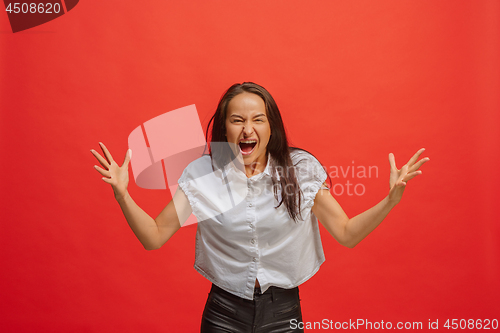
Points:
(247, 146)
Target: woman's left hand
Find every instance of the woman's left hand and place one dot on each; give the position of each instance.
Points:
(399, 178)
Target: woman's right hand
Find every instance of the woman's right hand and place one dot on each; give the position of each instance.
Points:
(115, 175)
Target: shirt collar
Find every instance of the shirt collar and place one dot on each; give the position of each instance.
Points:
(266, 172)
(267, 169)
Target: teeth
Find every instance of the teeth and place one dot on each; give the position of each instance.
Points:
(249, 141)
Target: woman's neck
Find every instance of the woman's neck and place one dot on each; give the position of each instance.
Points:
(256, 167)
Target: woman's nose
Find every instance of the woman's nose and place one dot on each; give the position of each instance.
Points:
(247, 130)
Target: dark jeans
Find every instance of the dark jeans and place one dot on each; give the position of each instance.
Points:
(270, 312)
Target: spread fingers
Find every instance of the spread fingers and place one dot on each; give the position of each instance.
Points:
(103, 172)
(101, 159)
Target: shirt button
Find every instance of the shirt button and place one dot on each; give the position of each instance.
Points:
(250, 204)
(253, 241)
(254, 259)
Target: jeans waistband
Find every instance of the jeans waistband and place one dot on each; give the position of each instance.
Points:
(272, 289)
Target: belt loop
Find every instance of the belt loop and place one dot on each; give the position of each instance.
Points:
(273, 297)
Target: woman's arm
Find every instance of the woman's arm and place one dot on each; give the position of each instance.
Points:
(349, 232)
(152, 233)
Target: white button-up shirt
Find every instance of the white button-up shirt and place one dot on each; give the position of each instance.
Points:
(241, 236)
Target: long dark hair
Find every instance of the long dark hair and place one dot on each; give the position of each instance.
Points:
(281, 162)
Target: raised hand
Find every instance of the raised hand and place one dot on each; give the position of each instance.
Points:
(115, 175)
(399, 178)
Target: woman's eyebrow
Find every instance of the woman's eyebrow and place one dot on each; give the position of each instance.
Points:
(256, 116)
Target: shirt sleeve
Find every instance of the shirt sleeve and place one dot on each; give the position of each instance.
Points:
(185, 182)
(311, 175)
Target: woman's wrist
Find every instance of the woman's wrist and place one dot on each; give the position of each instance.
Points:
(121, 196)
(391, 200)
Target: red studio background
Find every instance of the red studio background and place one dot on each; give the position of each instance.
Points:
(354, 80)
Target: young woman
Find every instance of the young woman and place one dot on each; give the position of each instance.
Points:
(257, 202)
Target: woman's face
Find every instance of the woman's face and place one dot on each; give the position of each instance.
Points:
(248, 128)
